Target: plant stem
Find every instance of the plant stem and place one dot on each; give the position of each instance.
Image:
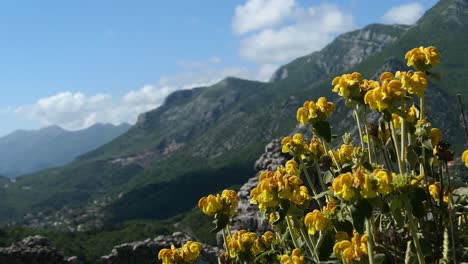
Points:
(356, 114)
(395, 141)
(370, 239)
(369, 145)
(291, 232)
(403, 145)
(310, 245)
(326, 148)
(414, 232)
(226, 244)
(450, 207)
(309, 180)
(422, 117)
(319, 173)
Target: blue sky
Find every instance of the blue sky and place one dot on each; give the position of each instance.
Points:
(74, 63)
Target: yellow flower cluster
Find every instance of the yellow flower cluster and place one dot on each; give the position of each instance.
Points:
(247, 243)
(423, 58)
(347, 85)
(414, 82)
(343, 186)
(353, 250)
(316, 148)
(295, 146)
(316, 221)
(312, 112)
(382, 97)
(465, 157)
(226, 203)
(188, 253)
(295, 258)
(274, 186)
(344, 154)
(411, 117)
(347, 185)
(384, 181)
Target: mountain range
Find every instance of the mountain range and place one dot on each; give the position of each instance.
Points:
(27, 151)
(205, 139)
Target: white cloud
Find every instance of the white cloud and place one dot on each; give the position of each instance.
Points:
(406, 14)
(299, 31)
(77, 110)
(258, 14)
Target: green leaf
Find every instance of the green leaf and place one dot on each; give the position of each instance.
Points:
(417, 197)
(282, 211)
(323, 129)
(395, 207)
(328, 177)
(326, 248)
(221, 221)
(379, 258)
(359, 213)
(345, 226)
(412, 157)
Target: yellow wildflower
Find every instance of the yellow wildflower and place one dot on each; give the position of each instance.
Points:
(316, 222)
(295, 146)
(226, 203)
(423, 58)
(384, 181)
(188, 253)
(263, 243)
(414, 82)
(465, 157)
(343, 186)
(436, 136)
(347, 85)
(241, 242)
(295, 258)
(210, 205)
(316, 148)
(434, 190)
(274, 186)
(353, 250)
(312, 112)
(292, 168)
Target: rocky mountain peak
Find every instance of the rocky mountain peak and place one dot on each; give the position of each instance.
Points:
(346, 51)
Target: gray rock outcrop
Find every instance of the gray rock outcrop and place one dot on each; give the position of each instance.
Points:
(33, 250)
(146, 252)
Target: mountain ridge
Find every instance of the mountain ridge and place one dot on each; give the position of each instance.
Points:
(205, 139)
(51, 146)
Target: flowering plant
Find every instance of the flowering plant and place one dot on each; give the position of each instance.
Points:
(388, 199)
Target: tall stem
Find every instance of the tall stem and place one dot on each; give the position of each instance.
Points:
(226, 244)
(414, 232)
(370, 240)
(309, 181)
(291, 232)
(319, 173)
(422, 117)
(395, 141)
(369, 145)
(356, 114)
(403, 145)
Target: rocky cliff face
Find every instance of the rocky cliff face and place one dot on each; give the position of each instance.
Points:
(33, 250)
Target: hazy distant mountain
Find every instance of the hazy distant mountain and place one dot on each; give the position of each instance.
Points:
(205, 139)
(26, 151)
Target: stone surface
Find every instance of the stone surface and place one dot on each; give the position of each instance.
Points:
(33, 250)
(145, 252)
